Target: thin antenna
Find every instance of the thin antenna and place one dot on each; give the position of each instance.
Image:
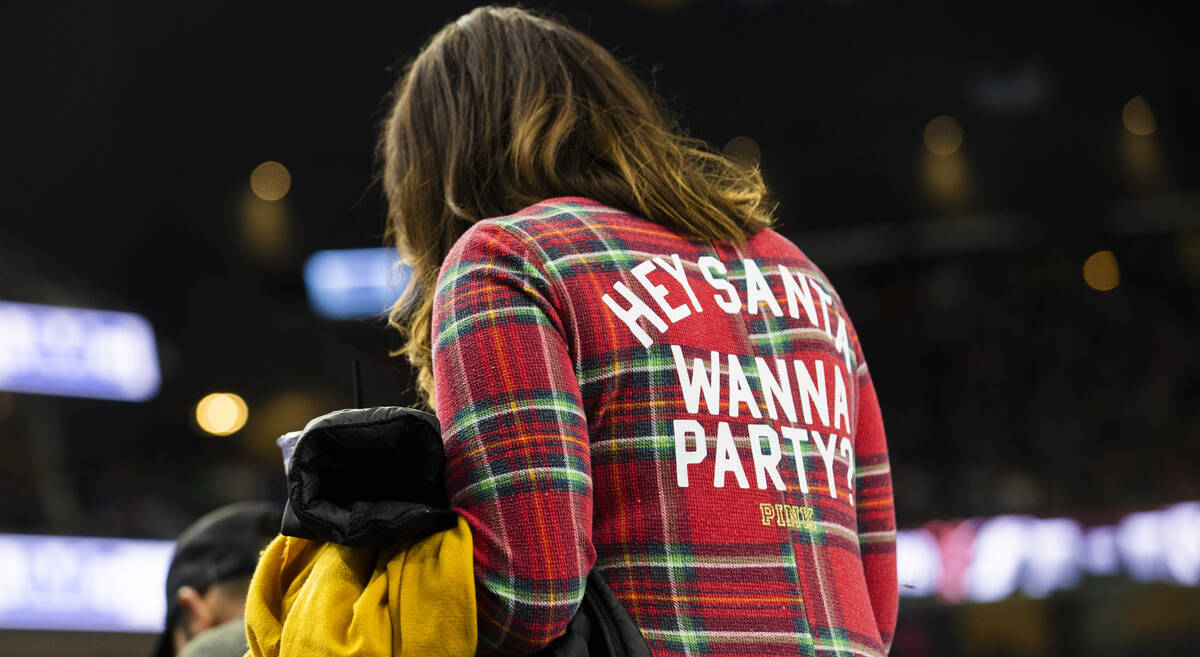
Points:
(356, 374)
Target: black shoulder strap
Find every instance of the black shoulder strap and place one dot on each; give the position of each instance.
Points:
(601, 628)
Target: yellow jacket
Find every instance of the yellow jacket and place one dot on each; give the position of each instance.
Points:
(311, 598)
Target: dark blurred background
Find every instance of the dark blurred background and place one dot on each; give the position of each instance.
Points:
(951, 166)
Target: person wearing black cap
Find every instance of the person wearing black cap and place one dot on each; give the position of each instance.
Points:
(208, 579)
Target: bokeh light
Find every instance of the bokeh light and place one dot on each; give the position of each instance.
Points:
(265, 228)
(221, 413)
(1100, 271)
(947, 181)
(943, 135)
(743, 150)
(1138, 117)
(270, 181)
(1142, 161)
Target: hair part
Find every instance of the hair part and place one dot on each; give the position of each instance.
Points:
(503, 109)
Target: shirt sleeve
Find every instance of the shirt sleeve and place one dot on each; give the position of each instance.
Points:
(875, 510)
(516, 439)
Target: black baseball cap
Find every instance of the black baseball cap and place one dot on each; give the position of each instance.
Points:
(221, 545)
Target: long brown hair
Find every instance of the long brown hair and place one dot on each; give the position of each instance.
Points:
(503, 109)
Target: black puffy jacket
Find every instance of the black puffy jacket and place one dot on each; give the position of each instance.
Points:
(376, 475)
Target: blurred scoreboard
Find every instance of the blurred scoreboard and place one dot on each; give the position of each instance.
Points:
(76, 352)
(78, 583)
(989, 559)
(354, 283)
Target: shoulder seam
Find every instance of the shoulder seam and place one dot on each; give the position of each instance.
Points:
(508, 224)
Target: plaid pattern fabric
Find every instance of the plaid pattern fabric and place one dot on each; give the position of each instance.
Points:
(744, 509)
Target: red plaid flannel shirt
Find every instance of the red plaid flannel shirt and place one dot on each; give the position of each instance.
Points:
(694, 419)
